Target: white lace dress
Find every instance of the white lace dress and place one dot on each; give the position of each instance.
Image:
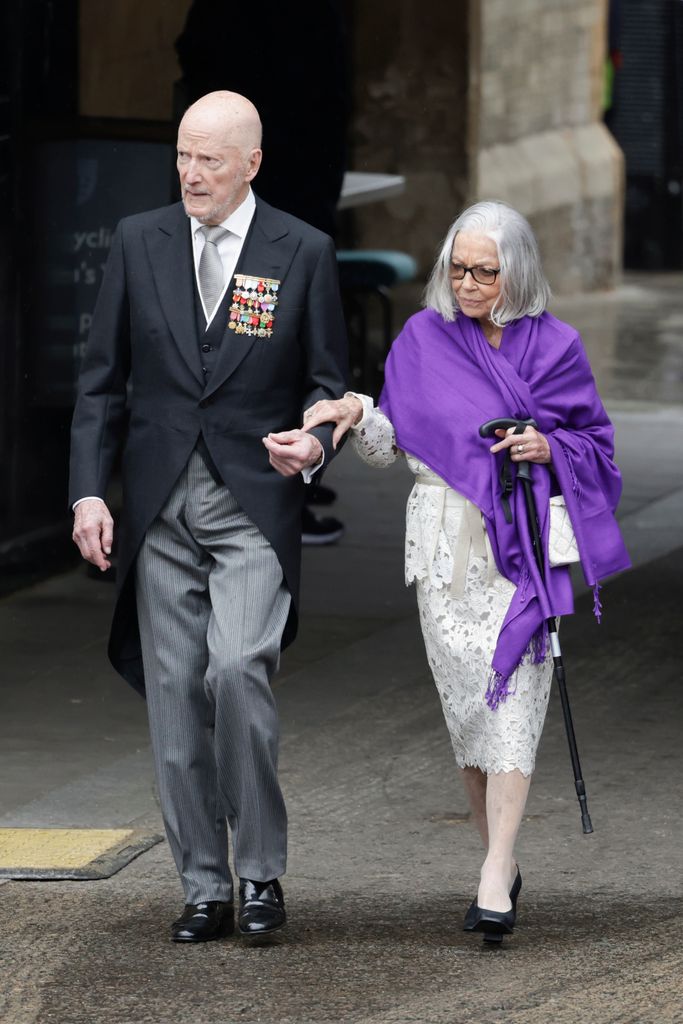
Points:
(462, 599)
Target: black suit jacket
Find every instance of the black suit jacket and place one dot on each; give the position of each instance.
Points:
(142, 385)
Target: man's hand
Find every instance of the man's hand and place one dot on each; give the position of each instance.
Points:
(290, 451)
(93, 532)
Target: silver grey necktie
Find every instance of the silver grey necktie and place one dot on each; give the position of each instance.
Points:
(210, 271)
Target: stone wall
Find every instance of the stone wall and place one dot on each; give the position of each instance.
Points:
(536, 137)
(409, 66)
(539, 66)
(490, 99)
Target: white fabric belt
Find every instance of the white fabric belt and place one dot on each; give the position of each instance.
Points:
(471, 535)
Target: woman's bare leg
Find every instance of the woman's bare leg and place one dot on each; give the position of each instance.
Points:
(474, 781)
(506, 795)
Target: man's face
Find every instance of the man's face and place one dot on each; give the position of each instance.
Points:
(214, 175)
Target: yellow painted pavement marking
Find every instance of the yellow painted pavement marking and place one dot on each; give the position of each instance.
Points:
(53, 848)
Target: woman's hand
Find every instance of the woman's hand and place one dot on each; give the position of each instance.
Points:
(534, 446)
(345, 412)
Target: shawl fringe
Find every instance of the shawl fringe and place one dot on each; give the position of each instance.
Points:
(498, 690)
(576, 486)
(539, 645)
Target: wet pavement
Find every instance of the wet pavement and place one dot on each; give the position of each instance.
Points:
(383, 861)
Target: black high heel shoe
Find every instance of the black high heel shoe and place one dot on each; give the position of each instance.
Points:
(495, 924)
(516, 889)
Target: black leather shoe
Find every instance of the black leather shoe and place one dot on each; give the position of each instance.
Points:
(262, 908)
(201, 922)
(493, 923)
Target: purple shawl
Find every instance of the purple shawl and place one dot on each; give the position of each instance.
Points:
(442, 381)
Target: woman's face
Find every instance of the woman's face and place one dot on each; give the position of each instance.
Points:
(472, 249)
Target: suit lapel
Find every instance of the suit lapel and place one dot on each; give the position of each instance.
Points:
(267, 252)
(169, 247)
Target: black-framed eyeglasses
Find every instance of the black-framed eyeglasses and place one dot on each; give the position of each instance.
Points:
(482, 275)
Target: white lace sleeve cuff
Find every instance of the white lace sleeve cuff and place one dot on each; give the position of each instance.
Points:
(373, 437)
(368, 409)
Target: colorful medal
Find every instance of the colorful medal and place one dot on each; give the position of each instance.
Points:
(253, 305)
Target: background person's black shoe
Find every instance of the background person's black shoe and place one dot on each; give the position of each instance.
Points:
(326, 530)
(201, 922)
(262, 908)
(319, 494)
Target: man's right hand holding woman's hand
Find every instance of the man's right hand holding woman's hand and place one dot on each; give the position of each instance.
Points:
(346, 412)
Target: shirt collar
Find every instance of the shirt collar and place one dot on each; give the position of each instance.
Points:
(239, 220)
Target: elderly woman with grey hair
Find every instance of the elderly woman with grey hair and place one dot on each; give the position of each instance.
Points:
(485, 348)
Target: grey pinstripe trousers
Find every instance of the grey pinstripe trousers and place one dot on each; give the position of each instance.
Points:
(212, 606)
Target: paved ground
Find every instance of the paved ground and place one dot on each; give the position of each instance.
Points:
(383, 860)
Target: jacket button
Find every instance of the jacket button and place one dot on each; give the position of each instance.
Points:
(206, 348)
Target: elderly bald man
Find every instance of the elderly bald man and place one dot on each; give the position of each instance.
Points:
(218, 322)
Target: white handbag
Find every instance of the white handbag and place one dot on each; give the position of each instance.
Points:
(562, 549)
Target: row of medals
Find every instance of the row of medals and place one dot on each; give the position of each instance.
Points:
(252, 307)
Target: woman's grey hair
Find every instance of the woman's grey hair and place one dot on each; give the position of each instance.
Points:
(524, 289)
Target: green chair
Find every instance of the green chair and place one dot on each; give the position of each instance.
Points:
(370, 274)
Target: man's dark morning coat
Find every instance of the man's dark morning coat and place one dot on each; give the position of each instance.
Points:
(142, 383)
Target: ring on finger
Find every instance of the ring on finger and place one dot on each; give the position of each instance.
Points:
(520, 448)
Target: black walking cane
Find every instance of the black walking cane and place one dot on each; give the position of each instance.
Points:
(524, 474)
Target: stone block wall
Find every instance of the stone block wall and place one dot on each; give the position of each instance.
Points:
(410, 82)
(536, 135)
(490, 99)
(539, 65)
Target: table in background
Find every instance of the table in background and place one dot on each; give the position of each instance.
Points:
(361, 187)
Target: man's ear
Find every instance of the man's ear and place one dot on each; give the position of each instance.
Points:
(253, 165)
